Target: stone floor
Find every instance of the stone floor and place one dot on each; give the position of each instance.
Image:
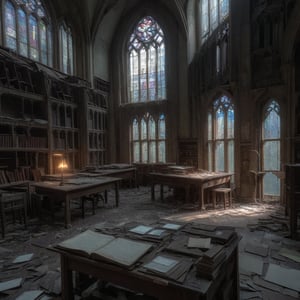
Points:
(258, 224)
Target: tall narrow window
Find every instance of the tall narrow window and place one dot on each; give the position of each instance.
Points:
(146, 62)
(22, 33)
(32, 37)
(135, 140)
(162, 138)
(213, 13)
(148, 139)
(147, 83)
(221, 135)
(204, 18)
(43, 43)
(10, 26)
(271, 148)
(66, 41)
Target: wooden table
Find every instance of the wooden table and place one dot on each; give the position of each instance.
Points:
(224, 286)
(76, 188)
(199, 180)
(124, 173)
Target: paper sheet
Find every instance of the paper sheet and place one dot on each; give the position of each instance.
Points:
(289, 278)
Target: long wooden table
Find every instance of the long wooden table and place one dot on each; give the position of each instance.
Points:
(199, 180)
(225, 285)
(124, 173)
(76, 188)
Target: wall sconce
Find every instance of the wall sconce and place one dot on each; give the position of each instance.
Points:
(62, 166)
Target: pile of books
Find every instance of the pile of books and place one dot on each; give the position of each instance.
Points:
(218, 234)
(211, 261)
(168, 266)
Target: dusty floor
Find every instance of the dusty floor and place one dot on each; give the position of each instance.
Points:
(42, 271)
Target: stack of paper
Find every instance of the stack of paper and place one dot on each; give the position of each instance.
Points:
(211, 262)
(169, 267)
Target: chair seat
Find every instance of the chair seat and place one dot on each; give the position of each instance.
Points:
(224, 194)
(12, 204)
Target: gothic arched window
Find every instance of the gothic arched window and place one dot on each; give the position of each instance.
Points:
(148, 139)
(146, 52)
(66, 52)
(271, 148)
(28, 30)
(221, 135)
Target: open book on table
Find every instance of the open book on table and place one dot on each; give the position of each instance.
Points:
(105, 247)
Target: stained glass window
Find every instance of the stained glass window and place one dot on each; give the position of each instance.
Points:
(10, 26)
(146, 83)
(204, 17)
(146, 62)
(43, 42)
(33, 37)
(22, 32)
(212, 13)
(148, 139)
(221, 135)
(271, 148)
(50, 47)
(224, 9)
(66, 40)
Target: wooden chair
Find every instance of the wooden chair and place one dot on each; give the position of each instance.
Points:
(36, 175)
(93, 198)
(42, 206)
(223, 194)
(13, 204)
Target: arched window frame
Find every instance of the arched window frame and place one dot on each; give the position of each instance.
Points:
(270, 159)
(146, 62)
(221, 158)
(32, 9)
(66, 49)
(148, 139)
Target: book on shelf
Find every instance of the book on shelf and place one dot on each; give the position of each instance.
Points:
(118, 250)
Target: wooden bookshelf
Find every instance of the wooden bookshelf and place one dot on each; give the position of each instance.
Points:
(188, 152)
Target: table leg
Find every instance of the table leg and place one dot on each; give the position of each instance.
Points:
(187, 194)
(152, 191)
(105, 196)
(117, 193)
(66, 280)
(67, 212)
(214, 200)
(201, 196)
(161, 192)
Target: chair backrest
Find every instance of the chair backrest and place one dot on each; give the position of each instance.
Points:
(13, 200)
(36, 174)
